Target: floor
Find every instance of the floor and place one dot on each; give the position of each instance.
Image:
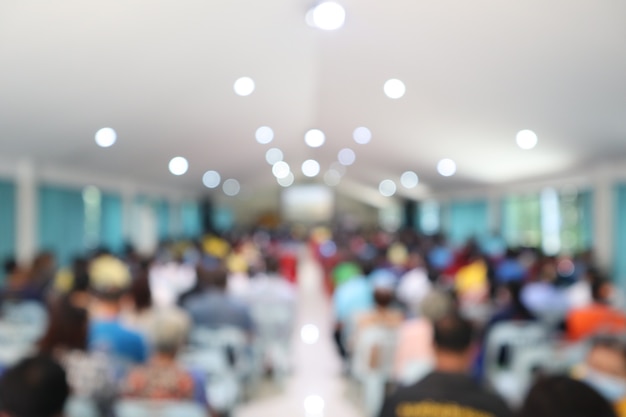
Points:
(316, 388)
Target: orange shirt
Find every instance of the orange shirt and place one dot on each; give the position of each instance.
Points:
(597, 318)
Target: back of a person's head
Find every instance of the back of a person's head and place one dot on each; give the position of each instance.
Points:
(436, 305)
(109, 278)
(453, 333)
(170, 329)
(217, 278)
(10, 266)
(600, 290)
(67, 327)
(35, 387)
(272, 266)
(563, 396)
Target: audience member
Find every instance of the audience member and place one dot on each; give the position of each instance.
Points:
(414, 285)
(109, 281)
(18, 285)
(35, 387)
(557, 396)
(89, 374)
(214, 307)
(599, 317)
(449, 390)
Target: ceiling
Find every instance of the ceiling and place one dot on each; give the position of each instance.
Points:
(161, 73)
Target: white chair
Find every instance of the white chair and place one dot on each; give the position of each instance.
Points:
(274, 326)
(81, 407)
(513, 351)
(372, 364)
(146, 408)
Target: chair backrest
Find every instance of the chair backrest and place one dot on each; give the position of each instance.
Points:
(506, 338)
(146, 408)
(81, 407)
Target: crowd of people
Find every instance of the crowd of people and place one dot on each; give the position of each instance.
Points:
(415, 324)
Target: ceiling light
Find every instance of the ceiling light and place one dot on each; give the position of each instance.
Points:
(314, 138)
(231, 187)
(446, 167)
(332, 178)
(409, 179)
(346, 156)
(178, 165)
(394, 88)
(244, 86)
(526, 139)
(273, 155)
(362, 135)
(328, 16)
(287, 181)
(211, 179)
(264, 135)
(310, 168)
(281, 169)
(387, 188)
(106, 137)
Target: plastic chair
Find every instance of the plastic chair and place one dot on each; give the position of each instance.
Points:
(81, 407)
(147, 408)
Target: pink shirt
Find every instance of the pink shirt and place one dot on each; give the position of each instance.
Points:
(415, 343)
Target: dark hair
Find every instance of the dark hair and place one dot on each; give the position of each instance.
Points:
(453, 333)
(80, 269)
(597, 289)
(383, 297)
(35, 387)
(140, 290)
(10, 265)
(564, 396)
(67, 328)
(217, 278)
(271, 264)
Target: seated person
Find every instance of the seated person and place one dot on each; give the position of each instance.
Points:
(162, 378)
(562, 396)
(89, 374)
(414, 354)
(598, 317)
(35, 387)
(109, 280)
(449, 389)
(604, 370)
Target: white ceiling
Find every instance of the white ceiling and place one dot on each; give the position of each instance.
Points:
(162, 72)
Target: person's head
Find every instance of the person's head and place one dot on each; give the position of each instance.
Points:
(140, 292)
(109, 279)
(605, 367)
(563, 396)
(436, 305)
(384, 284)
(10, 266)
(601, 290)
(453, 341)
(217, 278)
(272, 266)
(169, 332)
(67, 328)
(35, 387)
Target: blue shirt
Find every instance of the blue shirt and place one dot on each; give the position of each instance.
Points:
(352, 297)
(111, 337)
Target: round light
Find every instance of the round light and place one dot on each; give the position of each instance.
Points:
(287, 181)
(106, 137)
(211, 179)
(526, 139)
(394, 88)
(341, 169)
(387, 188)
(362, 135)
(231, 187)
(346, 156)
(264, 135)
(409, 179)
(273, 155)
(309, 334)
(314, 138)
(178, 165)
(310, 168)
(281, 169)
(244, 86)
(314, 405)
(332, 178)
(329, 15)
(446, 167)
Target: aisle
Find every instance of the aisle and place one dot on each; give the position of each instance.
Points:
(316, 388)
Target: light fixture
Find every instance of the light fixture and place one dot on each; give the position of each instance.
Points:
(178, 165)
(244, 86)
(387, 188)
(362, 135)
(106, 137)
(332, 178)
(287, 181)
(281, 169)
(231, 187)
(211, 179)
(310, 168)
(314, 138)
(446, 167)
(346, 157)
(264, 135)
(327, 15)
(273, 155)
(526, 139)
(409, 179)
(394, 88)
